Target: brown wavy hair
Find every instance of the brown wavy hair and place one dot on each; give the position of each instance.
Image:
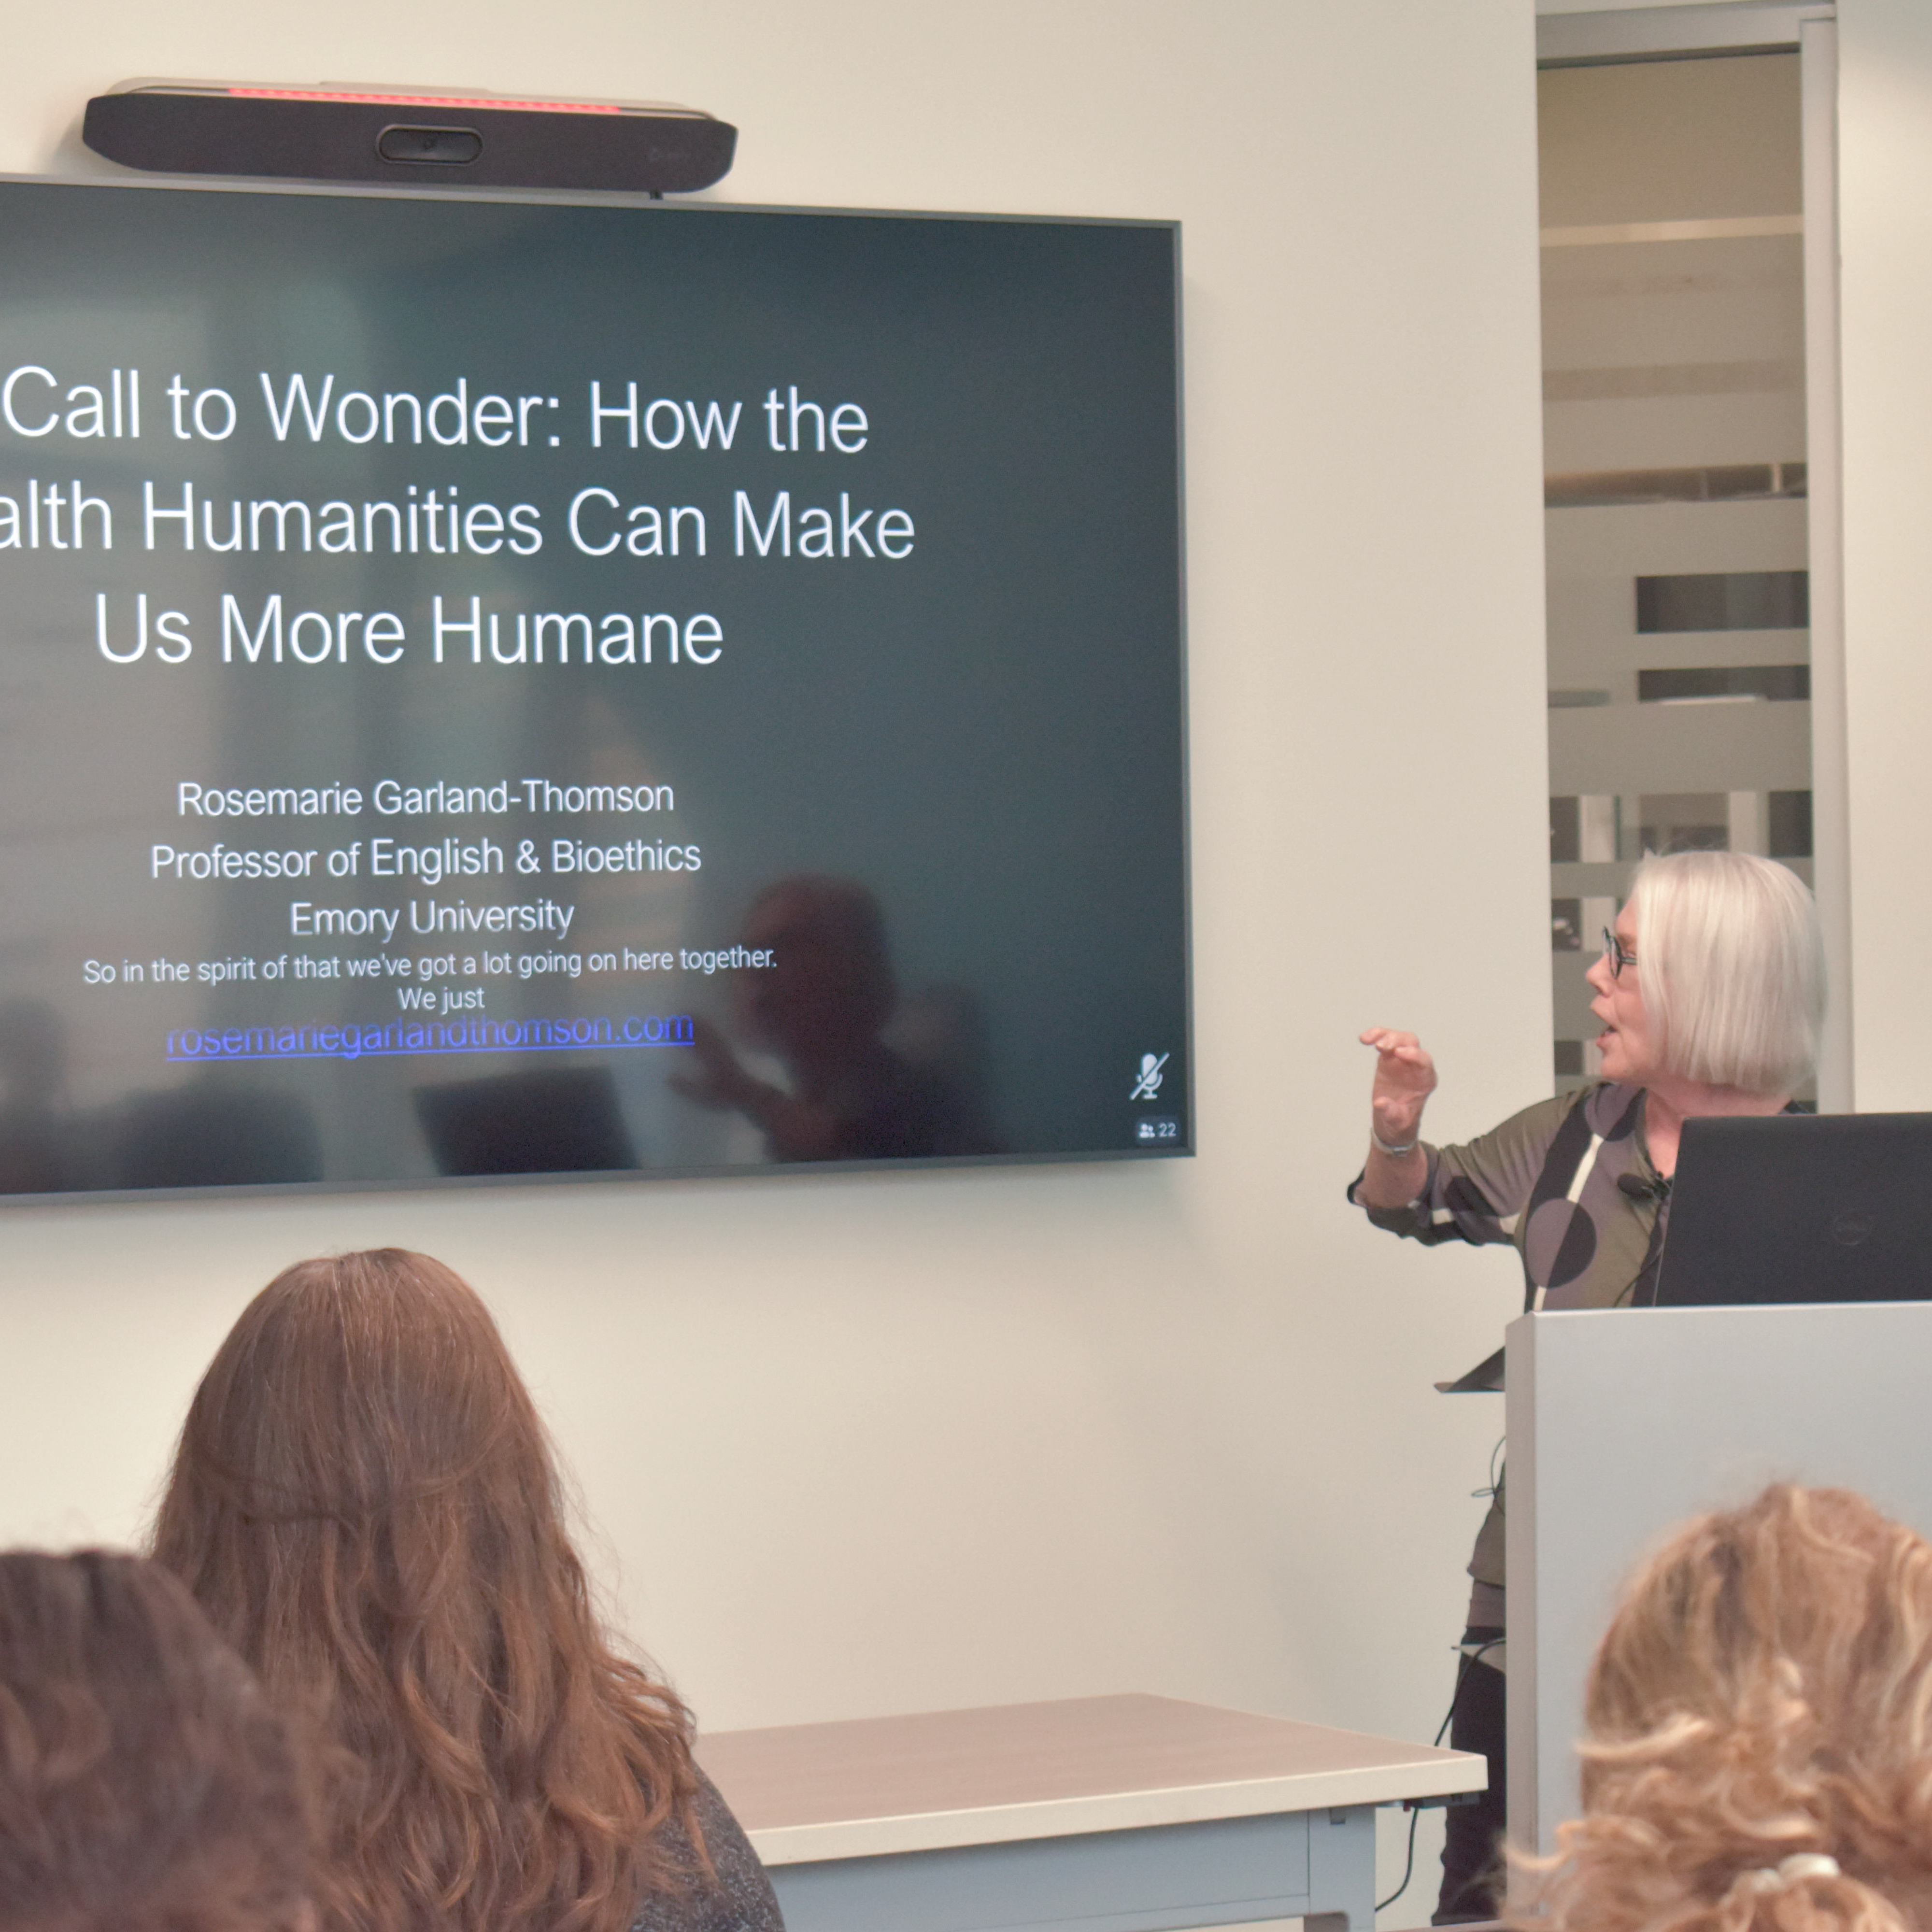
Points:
(146, 1785)
(1766, 1690)
(366, 1504)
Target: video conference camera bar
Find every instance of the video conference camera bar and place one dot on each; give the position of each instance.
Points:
(416, 139)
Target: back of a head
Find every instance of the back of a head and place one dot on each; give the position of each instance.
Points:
(1758, 1752)
(365, 1502)
(364, 1393)
(145, 1786)
(1731, 957)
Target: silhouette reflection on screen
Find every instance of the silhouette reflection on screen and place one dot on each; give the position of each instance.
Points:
(36, 1154)
(822, 1008)
(211, 1132)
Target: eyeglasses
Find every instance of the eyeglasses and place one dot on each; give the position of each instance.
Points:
(1616, 955)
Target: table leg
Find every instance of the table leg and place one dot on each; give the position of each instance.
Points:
(1342, 1870)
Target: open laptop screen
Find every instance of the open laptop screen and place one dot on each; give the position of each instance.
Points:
(1800, 1208)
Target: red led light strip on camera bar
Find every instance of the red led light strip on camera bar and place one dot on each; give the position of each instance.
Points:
(425, 100)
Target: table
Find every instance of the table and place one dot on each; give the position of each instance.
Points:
(1129, 1813)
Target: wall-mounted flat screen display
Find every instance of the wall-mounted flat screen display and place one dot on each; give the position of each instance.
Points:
(519, 687)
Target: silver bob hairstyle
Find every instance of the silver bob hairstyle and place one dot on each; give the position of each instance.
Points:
(1733, 968)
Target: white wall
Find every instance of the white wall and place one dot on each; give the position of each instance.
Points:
(864, 1445)
(1886, 236)
(1614, 6)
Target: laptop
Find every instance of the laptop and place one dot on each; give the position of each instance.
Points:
(1798, 1208)
(538, 1120)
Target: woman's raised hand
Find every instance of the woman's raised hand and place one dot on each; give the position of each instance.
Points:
(1404, 1078)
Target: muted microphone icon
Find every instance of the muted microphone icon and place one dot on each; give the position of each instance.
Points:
(1148, 1085)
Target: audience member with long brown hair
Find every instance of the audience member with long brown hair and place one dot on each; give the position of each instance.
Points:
(1758, 1747)
(367, 1505)
(145, 1783)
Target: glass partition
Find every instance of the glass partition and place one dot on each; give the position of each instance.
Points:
(1673, 371)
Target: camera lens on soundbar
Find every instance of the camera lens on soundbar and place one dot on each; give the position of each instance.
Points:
(451, 146)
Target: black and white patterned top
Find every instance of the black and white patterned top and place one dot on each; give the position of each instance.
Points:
(1551, 1181)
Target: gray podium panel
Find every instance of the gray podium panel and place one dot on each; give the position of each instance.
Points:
(1623, 1422)
(1165, 1878)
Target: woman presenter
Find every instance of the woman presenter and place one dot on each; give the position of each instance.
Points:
(1711, 991)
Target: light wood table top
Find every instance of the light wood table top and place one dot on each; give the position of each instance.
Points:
(870, 1786)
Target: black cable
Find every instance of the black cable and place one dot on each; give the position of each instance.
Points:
(1407, 1866)
(1470, 1658)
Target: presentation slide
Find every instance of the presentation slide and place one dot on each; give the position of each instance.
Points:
(508, 687)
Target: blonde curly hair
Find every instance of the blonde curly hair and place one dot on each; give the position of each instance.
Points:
(1759, 1755)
